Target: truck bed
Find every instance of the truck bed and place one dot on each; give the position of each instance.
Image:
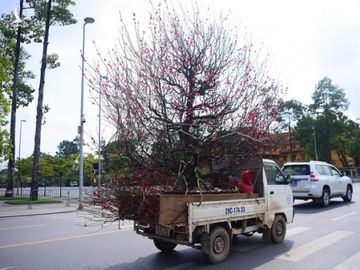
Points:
(174, 207)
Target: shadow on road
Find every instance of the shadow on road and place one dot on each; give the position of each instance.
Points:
(309, 207)
(247, 253)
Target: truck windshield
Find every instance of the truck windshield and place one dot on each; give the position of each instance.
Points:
(296, 169)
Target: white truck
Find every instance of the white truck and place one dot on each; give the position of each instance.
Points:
(209, 221)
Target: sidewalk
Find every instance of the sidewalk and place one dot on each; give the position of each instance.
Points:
(36, 209)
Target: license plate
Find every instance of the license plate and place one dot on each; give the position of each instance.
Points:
(162, 231)
(293, 183)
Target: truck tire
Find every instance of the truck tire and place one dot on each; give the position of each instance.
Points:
(164, 245)
(278, 229)
(348, 195)
(325, 197)
(219, 245)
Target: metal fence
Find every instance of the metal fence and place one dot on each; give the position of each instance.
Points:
(65, 195)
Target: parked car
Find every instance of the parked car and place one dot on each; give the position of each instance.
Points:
(73, 184)
(319, 181)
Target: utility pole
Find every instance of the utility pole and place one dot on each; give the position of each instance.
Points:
(99, 141)
(315, 146)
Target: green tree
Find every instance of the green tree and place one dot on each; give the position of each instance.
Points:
(48, 13)
(328, 102)
(5, 75)
(289, 113)
(319, 131)
(66, 148)
(23, 174)
(346, 140)
(89, 160)
(21, 93)
(46, 169)
(304, 132)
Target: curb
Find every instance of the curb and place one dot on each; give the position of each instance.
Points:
(37, 214)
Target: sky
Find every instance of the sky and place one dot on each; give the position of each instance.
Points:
(307, 40)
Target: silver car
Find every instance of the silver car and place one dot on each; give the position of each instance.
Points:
(319, 181)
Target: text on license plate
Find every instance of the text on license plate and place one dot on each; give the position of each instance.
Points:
(162, 231)
(235, 210)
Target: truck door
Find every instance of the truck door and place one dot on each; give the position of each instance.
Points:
(278, 191)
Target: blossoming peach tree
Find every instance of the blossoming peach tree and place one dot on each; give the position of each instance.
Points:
(184, 95)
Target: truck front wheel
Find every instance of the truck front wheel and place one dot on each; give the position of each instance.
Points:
(278, 229)
(219, 245)
(164, 245)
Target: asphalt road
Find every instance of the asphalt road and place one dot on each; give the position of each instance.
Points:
(318, 239)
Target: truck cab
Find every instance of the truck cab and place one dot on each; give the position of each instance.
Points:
(209, 221)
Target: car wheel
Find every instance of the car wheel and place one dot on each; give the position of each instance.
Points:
(325, 198)
(164, 245)
(348, 195)
(219, 245)
(278, 229)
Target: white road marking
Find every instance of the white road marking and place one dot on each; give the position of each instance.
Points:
(60, 239)
(303, 251)
(344, 216)
(21, 227)
(296, 230)
(7, 268)
(350, 264)
(178, 267)
(289, 233)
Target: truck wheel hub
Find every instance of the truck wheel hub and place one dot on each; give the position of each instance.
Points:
(219, 245)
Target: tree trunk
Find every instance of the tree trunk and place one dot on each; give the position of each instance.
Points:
(343, 158)
(11, 162)
(290, 143)
(39, 110)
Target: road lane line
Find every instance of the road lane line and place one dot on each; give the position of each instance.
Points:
(21, 227)
(303, 251)
(344, 216)
(59, 239)
(252, 246)
(7, 268)
(296, 230)
(350, 264)
(181, 266)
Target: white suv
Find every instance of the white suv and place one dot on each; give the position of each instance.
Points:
(319, 181)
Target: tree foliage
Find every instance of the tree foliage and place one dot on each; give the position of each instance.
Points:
(325, 124)
(8, 31)
(5, 78)
(67, 148)
(289, 113)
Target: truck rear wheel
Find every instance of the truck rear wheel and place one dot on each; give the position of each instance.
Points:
(164, 245)
(219, 245)
(278, 229)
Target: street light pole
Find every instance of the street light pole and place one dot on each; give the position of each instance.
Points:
(82, 117)
(315, 146)
(99, 142)
(21, 122)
